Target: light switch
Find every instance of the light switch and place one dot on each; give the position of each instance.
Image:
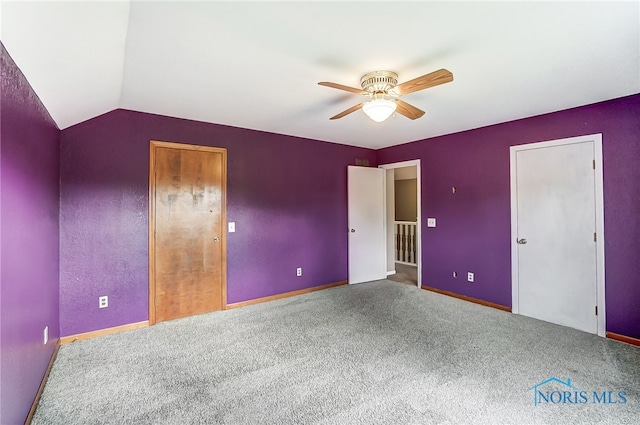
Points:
(431, 222)
(232, 226)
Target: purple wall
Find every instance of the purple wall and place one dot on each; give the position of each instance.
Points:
(29, 181)
(473, 232)
(288, 199)
(287, 196)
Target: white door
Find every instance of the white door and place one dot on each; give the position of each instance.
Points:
(556, 226)
(367, 241)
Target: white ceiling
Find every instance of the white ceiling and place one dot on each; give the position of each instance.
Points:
(256, 64)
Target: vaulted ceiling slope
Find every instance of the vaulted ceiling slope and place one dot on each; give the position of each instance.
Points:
(257, 64)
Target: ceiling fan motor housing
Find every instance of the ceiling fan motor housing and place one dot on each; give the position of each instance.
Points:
(379, 81)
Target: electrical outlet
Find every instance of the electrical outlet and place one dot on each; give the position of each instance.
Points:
(299, 271)
(470, 276)
(46, 335)
(103, 302)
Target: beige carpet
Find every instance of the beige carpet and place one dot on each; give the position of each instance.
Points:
(405, 274)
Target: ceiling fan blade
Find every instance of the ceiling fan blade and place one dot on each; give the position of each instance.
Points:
(407, 110)
(341, 87)
(432, 79)
(348, 111)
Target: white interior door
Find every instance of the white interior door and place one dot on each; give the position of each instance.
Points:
(367, 238)
(556, 249)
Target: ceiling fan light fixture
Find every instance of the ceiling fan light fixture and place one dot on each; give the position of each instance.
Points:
(379, 109)
(383, 90)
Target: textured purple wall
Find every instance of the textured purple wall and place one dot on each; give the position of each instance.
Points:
(473, 232)
(287, 196)
(29, 176)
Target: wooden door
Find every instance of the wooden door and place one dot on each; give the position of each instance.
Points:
(187, 237)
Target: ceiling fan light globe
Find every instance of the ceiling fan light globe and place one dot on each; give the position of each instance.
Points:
(379, 109)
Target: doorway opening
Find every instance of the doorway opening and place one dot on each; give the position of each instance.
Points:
(402, 212)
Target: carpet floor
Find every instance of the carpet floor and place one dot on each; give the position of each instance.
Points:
(374, 353)
(405, 274)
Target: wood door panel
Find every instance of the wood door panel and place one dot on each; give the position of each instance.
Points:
(189, 200)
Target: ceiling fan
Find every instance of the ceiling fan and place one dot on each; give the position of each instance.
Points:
(383, 89)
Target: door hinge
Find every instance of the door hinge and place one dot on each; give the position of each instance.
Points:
(595, 237)
(596, 310)
(594, 164)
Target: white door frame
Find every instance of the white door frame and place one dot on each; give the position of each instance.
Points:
(599, 214)
(411, 163)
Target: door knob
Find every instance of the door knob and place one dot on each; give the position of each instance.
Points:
(352, 230)
(521, 241)
(216, 239)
